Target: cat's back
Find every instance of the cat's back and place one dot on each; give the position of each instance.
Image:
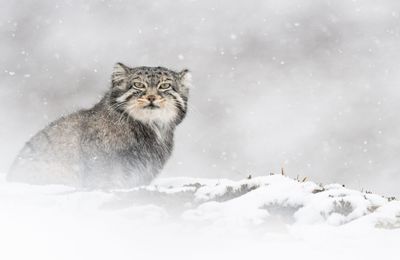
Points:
(54, 149)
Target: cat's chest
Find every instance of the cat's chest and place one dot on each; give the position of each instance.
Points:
(155, 143)
(149, 144)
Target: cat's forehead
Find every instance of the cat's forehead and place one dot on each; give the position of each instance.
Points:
(153, 72)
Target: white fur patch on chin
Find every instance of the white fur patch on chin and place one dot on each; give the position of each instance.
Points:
(163, 115)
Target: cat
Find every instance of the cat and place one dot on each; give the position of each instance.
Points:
(122, 141)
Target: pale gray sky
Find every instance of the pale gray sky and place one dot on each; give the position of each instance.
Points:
(311, 85)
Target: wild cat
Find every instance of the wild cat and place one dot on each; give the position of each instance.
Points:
(123, 141)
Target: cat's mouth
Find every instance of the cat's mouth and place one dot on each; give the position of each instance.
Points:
(151, 106)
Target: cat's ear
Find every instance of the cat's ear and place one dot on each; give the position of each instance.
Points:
(185, 77)
(119, 74)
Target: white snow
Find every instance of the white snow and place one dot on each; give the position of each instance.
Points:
(193, 218)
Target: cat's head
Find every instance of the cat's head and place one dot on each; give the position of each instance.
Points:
(150, 94)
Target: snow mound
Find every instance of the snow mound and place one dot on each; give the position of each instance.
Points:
(248, 202)
(279, 198)
(47, 221)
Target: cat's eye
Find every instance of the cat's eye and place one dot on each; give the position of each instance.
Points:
(139, 85)
(164, 86)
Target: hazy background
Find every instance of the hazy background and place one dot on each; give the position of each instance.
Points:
(308, 85)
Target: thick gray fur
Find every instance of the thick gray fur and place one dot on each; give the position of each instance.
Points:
(123, 141)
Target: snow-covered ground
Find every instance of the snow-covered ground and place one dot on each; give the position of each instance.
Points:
(188, 218)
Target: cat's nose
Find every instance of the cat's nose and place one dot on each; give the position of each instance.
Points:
(151, 98)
